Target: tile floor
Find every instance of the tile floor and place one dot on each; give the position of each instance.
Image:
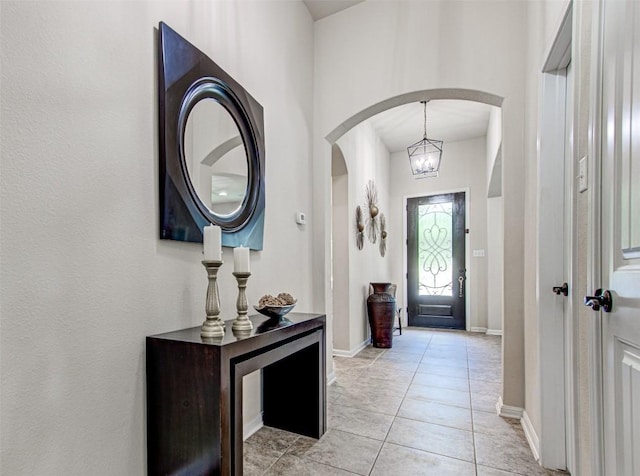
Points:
(424, 407)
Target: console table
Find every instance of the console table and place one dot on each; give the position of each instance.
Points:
(194, 391)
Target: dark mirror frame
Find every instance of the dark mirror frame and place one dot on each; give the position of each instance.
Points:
(187, 76)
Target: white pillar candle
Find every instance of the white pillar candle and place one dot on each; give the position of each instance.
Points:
(212, 243)
(241, 260)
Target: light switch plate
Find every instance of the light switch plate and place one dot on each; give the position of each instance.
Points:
(583, 175)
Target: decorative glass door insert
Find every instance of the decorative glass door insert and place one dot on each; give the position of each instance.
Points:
(435, 249)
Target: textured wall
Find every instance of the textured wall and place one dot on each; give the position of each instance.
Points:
(84, 276)
(586, 256)
(495, 263)
(342, 226)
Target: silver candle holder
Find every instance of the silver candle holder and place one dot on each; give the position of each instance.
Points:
(242, 322)
(213, 326)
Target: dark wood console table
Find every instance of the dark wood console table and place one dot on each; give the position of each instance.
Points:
(194, 391)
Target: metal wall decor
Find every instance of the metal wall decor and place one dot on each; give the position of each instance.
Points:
(359, 228)
(371, 196)
(219, 182)
(383, 235)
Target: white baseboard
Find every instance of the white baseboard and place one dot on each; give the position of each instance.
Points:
(250, 427)
(331, 378)
(478, 329)
(532, 437)
(494, 332)
(507, 411)
(342, 353)
(350, 353)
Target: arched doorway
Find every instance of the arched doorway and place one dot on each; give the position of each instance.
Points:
(490, 173)
(394, 105)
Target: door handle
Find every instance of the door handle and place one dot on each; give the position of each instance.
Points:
(602, 299)
(564, 289)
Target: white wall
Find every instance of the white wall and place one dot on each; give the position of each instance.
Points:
(495, 264)
(463, 166)
(342, 226)
(494, 153)
(584, 277)
(367, 158)
(494, 139)
(84, 276)
(495, 225)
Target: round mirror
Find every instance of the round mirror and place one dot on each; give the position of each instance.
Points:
(215, 158)
(219, 154)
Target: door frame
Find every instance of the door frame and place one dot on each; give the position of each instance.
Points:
(569, 266)
(555, 445)
(468, 264)
(594, 241)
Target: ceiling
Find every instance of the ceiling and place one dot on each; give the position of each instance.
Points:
(323, 8)
(447, 120)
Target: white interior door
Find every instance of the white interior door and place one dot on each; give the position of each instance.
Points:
(621, 235)
(552, 277)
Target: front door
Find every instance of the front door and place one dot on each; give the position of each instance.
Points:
(436, 274)
(620, 222)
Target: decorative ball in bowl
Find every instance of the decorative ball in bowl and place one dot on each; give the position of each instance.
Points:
(276, 307)
(275, 311)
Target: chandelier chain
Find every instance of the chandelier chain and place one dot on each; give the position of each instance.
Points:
(425, 119)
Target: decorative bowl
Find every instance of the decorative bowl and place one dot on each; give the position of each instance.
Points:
(275, 311)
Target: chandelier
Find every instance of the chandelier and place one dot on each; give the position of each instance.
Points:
(425, 155)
